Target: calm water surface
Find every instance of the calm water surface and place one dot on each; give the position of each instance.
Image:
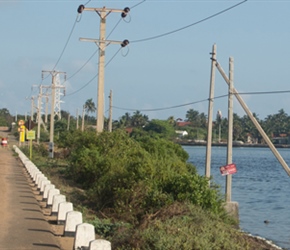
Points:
(261, 187)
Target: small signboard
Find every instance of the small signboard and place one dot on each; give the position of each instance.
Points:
(228, 169)
(30, 135)
(29, 124)
(22, 133)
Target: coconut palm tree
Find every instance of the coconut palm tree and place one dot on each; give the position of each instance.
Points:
(90, 106)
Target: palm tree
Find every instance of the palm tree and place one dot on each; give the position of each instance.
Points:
(139, 120)
(171, 121)
(90, 106)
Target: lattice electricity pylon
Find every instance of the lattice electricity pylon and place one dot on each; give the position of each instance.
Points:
(59, 91)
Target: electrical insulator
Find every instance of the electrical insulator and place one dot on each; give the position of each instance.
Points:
(81, 8)
(125, 12)
(124, 43)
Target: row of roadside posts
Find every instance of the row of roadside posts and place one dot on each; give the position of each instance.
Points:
(25, 128)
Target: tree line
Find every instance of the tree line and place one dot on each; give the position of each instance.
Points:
(195, 123)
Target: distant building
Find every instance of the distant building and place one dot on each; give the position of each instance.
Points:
(281, 139)
(181, 133)
(182, 124)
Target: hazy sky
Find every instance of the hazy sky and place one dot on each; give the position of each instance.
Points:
(166, 64)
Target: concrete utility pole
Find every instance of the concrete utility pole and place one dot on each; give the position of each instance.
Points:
(102, 44)
(77, 115)
(110, 111)
(210, 113)
(46, 110)
(230, 130)
(83, 119)
(39, 114)
(54, 86)
(32, 108)
(68, 121)
(255, 122)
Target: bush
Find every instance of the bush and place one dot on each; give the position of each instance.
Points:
(130, 178)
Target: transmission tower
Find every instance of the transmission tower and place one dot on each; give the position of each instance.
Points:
(58, 88)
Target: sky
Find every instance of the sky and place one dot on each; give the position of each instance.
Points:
(165, 69)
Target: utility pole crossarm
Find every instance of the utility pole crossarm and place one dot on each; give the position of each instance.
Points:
(100, 41)
(104, 9)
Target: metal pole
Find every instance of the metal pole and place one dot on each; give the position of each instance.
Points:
(210, 113)
(255, 122)
(230, 130)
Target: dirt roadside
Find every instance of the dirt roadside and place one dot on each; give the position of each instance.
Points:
(25, 222)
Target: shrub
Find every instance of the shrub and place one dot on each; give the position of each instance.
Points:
(131, 178)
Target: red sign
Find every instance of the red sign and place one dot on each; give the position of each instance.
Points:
(228, 169)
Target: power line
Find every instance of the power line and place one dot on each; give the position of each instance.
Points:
(82, 66)
(94, 75)
(190, 25)
(61, 54)
(96, 50)
(65, 46)
(154, 37)
(196, 102)
(137, 4)
(166, 108)
(146, 39)
(265, 92)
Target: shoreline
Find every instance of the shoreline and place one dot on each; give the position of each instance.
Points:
(245, 145)
(270, 243)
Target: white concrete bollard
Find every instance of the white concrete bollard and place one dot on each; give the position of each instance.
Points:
(63, 208)
(30, 166)
(39, 180)
(43, 184)
(84, 234)
(36, 175)
(100, 245)
(51, 193)
(33, 171)
(46, 190)
(58, 198)
(73, 219)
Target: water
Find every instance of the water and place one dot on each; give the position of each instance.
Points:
(261, 187)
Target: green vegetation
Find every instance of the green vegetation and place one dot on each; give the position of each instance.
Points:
(5, 118)
(137, 188)
(140, 192)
